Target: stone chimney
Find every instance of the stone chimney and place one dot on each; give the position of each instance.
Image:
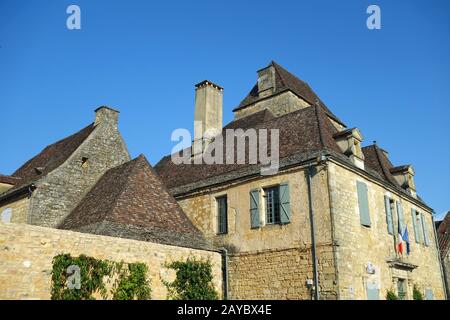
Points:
(105, 114)
(266, 81)
(208, 113)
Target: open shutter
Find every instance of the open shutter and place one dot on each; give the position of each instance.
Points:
(426, 239)
(363, 203)
(390, 225)
(401, 217)
(285, 206)
(254, 208)
(416, 226)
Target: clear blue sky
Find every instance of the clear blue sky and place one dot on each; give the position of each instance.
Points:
(144, 57)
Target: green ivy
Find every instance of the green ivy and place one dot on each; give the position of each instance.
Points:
(193, 281)
(390, 295)
(131, 282)
(417, 295)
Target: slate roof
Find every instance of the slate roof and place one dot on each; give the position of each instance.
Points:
(304, 131)
(130, 201)
(9, 180)
(284, 80)
(376, 159)
(50, 158)
(443, 235)
(304, 135)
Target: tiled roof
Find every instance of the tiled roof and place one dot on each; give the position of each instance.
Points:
(375, 158)
(9, 180)
(284, 80)
(50, 158)
(130, 201)
(305, 131)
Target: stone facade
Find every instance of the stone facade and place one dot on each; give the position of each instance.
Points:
(26, 254)
(19, 210)
(358, 245)
(58, 193)
(261, 255)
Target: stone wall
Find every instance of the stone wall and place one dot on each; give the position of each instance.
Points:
(272, 253)
(359, 245)
(281, 274)
(26, 254)
(19, 210)
(279, 105)
(61, 190)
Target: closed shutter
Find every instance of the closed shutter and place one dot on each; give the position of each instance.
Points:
(426, 239)
(401, 217)
(429, 294)
(254, 208)
(390, 225)
(416, 226)
(363, 203)
(285, 206)
(372, 291)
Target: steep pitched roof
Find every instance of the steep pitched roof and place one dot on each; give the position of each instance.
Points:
(284, 80)
(443, 235)
(50, 158)
(130, 201)
(302, 132)
(377, 160)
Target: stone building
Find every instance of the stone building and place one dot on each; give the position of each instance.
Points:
(443, 234)
(327, 224)
(87, 183)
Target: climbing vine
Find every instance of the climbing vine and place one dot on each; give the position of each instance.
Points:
(81, 278)
(417, 295)
(193, 281)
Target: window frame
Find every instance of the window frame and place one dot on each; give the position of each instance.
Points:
(220, 220)
(273, 216)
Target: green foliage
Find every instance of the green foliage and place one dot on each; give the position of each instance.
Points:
(193, 281)
(131, 282)
(390, 295)
(417, 295)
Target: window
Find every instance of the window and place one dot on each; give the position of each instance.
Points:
(389, 207)
(363, 203)
(272, 199)
(222, 215)
(6, 215)
(401, 288)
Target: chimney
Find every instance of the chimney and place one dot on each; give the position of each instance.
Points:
(105, 114)
(266, 81)
(208, 113)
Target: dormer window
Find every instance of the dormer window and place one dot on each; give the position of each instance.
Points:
(405, 178)
(349, 141)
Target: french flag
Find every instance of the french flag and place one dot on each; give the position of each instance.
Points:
(400, 242)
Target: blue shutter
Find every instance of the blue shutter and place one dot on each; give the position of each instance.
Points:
(416, 226)
(429, 294)
(390, 225)
(401, 218)
(373, 293)
(363, 203)
(426, 239)
(285, 207)
(254, 208)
